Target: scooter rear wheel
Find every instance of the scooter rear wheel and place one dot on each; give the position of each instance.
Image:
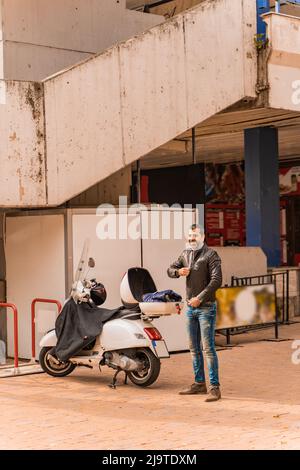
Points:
(49, 366)
(150, 373)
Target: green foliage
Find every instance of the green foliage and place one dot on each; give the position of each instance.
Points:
(261, 42)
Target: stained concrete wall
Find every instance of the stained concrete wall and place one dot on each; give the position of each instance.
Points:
(112, 109)
(109, 111)
(42, 37)
(22, 151)
(80, 126)
(284, 61)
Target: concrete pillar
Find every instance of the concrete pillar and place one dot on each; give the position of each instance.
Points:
(262, 191)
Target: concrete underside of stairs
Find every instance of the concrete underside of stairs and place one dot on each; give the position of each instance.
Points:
(61, 136)
(74, 129)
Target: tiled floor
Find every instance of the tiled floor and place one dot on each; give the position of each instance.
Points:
(260, 408)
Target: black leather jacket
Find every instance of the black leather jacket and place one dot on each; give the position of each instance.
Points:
(205, 276)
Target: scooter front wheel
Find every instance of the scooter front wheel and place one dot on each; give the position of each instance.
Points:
(51, 368)
(150, 372)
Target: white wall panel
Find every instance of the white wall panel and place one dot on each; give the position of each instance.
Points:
(113, 257)
(158, 255)
(35, 268)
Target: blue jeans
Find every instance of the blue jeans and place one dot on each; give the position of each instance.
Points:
(201, 328)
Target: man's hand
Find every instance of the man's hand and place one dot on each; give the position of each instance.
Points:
(184, 272)
(194, 302)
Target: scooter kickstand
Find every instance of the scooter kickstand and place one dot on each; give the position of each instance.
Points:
(114, 380)
(126, 377)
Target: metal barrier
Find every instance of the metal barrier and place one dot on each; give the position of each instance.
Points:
(292, 293)
(271, 278)
(31, 367)
(33, 305)
(16, 338)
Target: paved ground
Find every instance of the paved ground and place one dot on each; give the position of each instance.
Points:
(260, 408)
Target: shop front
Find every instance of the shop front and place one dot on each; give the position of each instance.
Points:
(225, 219)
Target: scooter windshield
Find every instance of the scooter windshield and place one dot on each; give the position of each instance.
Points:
(83, 262)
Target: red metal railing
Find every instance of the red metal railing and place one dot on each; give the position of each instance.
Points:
(33, 305)
(16, 338)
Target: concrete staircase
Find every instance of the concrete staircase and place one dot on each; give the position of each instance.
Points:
(70, 131)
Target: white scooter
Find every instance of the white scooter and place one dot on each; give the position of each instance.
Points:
(129, 343)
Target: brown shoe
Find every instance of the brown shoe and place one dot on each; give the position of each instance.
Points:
(195, 389)
(214, 394)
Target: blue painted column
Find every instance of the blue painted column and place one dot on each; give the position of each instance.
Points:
(262, 192)
(262, 6)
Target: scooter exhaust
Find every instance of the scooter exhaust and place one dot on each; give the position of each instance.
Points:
(120, 361)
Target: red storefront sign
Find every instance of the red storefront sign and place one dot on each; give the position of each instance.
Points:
(225, 224)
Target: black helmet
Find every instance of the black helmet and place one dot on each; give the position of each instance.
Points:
(98, 294)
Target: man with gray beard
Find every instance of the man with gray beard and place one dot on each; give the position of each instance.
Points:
(201, 266)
